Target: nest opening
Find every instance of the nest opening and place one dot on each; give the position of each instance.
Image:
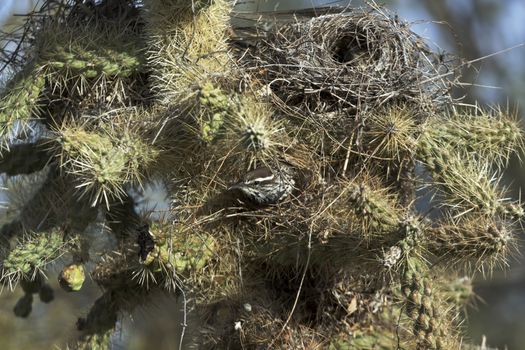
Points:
(348, 48)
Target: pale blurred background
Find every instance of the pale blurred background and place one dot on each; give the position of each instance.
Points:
(468, 28)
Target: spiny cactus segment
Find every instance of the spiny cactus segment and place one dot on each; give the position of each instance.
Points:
(391, 183)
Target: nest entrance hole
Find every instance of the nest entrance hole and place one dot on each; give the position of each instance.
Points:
(349, 47)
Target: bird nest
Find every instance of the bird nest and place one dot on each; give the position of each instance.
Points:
(351, 62)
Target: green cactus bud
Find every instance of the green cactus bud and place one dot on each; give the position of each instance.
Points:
(72, 277)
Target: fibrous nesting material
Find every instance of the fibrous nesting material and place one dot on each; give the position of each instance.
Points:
(351, 61)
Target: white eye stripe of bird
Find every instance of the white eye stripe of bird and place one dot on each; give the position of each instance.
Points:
(260, 180)
(263, 186)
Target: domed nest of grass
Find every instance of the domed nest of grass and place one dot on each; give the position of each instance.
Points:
(350, 62)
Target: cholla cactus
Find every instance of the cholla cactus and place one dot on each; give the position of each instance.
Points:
(112, 95)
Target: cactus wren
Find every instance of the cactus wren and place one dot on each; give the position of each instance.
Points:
(263, 186)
